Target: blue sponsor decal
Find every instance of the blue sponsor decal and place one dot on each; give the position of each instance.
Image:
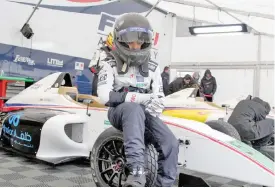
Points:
(14, 120)
(136, 29)
(25, 136)
(37, 64)
(17, 136)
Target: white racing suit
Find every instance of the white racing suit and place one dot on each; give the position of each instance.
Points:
(123, 94)
(100, 54)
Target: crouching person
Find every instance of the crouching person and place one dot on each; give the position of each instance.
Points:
(249, 119)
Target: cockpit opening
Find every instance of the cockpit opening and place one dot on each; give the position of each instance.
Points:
(64, 80)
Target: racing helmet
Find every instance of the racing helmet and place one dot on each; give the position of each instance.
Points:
(133, 27)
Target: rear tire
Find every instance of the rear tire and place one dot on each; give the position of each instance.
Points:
(107, 160)
(224, 127)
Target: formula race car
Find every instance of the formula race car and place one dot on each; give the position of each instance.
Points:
(185, 104)
(52, 122)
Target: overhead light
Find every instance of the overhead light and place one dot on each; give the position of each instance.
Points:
(220, 34)
(217, 29)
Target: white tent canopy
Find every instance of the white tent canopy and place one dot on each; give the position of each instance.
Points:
(258, 14)
(235, 60)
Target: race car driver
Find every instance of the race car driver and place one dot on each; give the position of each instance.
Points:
(249, 119)
(101, 54)
(131, 85)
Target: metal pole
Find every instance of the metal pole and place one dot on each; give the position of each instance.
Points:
(241, 12)
(257, 72)
(225, 11)
(33, 11)
(147, 14)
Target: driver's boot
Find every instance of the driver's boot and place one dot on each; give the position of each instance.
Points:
(136, 178)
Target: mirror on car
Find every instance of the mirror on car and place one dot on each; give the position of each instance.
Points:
(225, 105)
(87, 101)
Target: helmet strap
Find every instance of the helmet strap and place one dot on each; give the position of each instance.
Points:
(122, 67)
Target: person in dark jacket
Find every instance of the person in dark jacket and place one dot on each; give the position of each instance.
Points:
(182, 83)
(165, 80)
(208, 85)
(249, 119)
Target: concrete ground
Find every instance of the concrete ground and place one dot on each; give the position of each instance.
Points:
(18, 171)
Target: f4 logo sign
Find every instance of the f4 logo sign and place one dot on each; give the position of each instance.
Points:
(106, 24)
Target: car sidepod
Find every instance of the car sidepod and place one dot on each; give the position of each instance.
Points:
(49, 135)
(21, 133)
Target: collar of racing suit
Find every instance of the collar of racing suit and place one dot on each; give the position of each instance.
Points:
(143, 69)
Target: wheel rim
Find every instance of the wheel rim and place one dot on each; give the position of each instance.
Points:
(111, 162)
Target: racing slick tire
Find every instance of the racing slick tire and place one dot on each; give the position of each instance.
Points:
(224, 127)
(107, 160)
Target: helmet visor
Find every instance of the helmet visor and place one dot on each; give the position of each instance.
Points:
(135, 34)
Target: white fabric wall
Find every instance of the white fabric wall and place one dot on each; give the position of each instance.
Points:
(216, 52)
(267, 86)
(231, 83)
(229, 48)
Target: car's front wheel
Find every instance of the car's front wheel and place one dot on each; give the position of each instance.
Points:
(108, 160)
